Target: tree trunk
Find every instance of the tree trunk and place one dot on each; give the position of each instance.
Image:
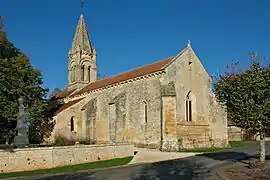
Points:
(262, 147)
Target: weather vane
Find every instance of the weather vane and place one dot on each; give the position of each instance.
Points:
(82, 5)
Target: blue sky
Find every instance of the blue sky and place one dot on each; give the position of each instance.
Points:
(131, 33)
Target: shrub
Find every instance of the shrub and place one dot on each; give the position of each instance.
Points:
(63, 141)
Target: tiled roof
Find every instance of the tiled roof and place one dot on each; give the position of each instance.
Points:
(67, 105)
(141, 71)
(64, 93)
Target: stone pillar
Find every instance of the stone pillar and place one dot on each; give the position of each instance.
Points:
(73, 74)
(77, 73)
(69, 76)
(169, 142)
(86, 74)
(94, 74)
(21, 138)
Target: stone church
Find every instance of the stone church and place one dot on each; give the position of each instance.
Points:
(166, 105)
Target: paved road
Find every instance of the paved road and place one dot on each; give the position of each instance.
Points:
(191, 168)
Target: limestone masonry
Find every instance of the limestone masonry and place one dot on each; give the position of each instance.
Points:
(27, 159)
(166, 105)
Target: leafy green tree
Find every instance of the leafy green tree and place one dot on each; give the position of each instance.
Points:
(246, 96)
(19, 79)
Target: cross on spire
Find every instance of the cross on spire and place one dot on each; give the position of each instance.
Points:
(189, 44)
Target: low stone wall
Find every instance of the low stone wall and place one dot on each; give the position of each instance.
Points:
(235, 133)
(26, 159)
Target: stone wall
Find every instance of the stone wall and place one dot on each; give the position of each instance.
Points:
(218, 123)
(125, 113)
(26, 159)
(208, 126)
(151, 111)
(235, 133)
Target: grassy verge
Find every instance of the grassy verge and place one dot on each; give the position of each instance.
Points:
(73, 168)
(233, 144)
(236, 144)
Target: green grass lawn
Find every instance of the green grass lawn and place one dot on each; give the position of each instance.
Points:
(73, 168)
(233, 144)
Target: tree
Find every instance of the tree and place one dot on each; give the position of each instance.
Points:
(2, 32)
(19, 79)
(99, 77)
(247, 98)
(54, 92)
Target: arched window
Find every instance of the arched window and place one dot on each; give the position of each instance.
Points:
(145, 112)
(82, 70)
(89, 73)
(188, 107)
(72, 124)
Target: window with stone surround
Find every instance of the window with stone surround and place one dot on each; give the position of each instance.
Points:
(145, 118)
(72, 124)
(89, 73)
(188, 107)
(82, 69)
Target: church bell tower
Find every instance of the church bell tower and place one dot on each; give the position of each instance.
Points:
(82, 68)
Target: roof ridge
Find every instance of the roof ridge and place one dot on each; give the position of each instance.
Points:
(131, 74)
(67, 105)
(136, 68)
(175, 57)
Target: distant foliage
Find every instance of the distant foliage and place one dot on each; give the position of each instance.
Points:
(54, 92)
(99, 77)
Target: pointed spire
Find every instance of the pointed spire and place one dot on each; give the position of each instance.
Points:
(81, 39)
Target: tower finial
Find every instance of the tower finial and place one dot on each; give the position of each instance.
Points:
(82, 5)
(189, 44)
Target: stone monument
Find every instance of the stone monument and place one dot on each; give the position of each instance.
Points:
(21, 138)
